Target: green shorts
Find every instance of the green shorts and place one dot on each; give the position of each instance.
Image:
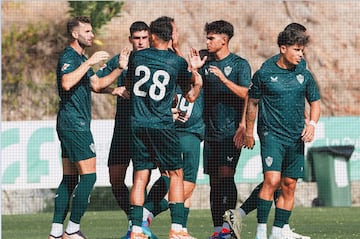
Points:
(120, 147)
(190, 149)
(285, 158)
(217, 154)
(152, 148)
(76, 145)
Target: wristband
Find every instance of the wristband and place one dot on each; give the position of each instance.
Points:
(313, 123)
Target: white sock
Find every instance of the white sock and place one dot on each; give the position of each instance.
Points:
(276, 230)
(72, 227)
(136, 229)
(242, 212)
(145, 214)
(286, 227)
(261, 228)
(56, 229)
(176, 227)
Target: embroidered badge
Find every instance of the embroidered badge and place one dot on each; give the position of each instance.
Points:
(300, 78)
(269, 161)
(274, 79)
(227, 70)
(229, 158)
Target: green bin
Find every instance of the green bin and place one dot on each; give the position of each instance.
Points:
(329, 167)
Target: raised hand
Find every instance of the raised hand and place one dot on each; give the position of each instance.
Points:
(194, 58)
(98, 57)
(124, 58)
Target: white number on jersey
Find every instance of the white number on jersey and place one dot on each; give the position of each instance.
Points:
(184, 105)
(157, 84)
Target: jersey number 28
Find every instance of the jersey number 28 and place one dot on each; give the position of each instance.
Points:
(157, 84)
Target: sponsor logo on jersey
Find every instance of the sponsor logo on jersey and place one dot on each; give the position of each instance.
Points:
(227, 70)
(269, 160)
(65, 66)
(274, 79)
(300, 78)
(103, 67)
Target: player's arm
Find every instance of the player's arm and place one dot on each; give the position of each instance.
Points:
(195, 63)
(195, 87)
(175, 44)
(239, 136)
(309, 130)
(117, 91)
(250, 117)
(71, 79)
(238, 90)
(98, 84)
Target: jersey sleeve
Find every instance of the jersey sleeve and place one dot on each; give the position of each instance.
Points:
(312, 90)
(255, 87)
(244, 74)
(68, 64)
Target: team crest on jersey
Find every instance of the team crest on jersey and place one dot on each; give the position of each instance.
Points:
(269, 160)
(300, 78)
(227, 70)
(65, 66)
(92, 147)
(206, 72)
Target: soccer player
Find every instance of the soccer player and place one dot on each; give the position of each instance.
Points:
(280, 88)
(226, 81)
(152, 78)
(190, 127)
(119, 155)
(234, 216)
(76, 80)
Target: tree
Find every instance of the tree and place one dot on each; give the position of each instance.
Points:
(100, 12)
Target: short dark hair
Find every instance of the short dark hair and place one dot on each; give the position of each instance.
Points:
(220, 27)
(162, 28)
(292, 37)
(295, 26)
(138, 26)
(74, 22)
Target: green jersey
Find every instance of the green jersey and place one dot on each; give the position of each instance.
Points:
(75, 105)
(195, 123)
(222, 108)
(282, 95)
(122, 117)
(154, 75)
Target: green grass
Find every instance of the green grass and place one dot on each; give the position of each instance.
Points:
(319, 223)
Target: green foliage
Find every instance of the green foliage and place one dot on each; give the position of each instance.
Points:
(100, 12)
(28, 70)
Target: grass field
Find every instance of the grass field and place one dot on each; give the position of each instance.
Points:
(319, 223)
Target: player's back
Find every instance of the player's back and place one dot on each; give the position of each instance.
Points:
(154, 74)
